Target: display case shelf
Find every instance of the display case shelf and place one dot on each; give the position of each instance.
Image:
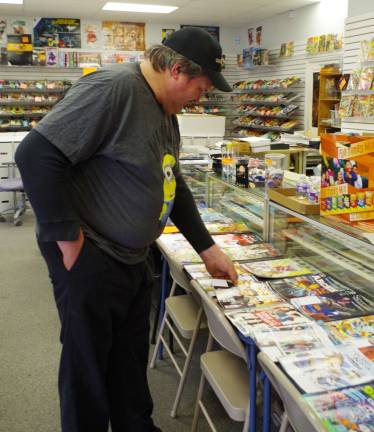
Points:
(36, 91)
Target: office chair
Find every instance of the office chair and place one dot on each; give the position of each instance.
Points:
(225, 370)
(14, 185)
(182, 313)
(297, 411)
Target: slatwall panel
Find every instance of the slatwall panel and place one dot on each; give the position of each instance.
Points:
(357, 29)
(39, 73)
(278, 68)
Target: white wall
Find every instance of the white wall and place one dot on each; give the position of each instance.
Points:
(324, 17)
(360, 7)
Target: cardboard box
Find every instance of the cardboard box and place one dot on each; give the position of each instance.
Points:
(347, 180)
(287, 198)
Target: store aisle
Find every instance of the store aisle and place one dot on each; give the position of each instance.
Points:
(29, 348)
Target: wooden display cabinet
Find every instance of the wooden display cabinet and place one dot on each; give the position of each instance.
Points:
(329, 98)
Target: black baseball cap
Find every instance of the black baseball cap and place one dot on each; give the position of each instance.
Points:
(199, 46)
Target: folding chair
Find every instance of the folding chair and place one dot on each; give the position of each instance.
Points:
(182, 312)
(297, 412)
(15, 185)
(225, 370)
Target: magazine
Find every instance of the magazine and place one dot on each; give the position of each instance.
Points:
(199, 271)
(249, 293)
(233, 240)
(262, 318)
(353, 331)
(251, 252)
(223, 227)
(350, 409)
(307, 285)
(280, 268)
(283, 341)
(178, 247)
(325, 370)
(334, 306)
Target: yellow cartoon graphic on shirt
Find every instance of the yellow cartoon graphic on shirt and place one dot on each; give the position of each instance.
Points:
(170, 184)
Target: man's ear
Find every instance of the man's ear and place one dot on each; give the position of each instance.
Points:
(175, 70)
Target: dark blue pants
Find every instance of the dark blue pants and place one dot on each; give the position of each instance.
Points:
(104, 310)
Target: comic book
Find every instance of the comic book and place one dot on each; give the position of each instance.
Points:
(307, 285)
(233, 240)
(280, 268)
(350, 409)
(199, 271)
(277, 316)
(346, 105)
(328, 369)
(228, 227)
(334, 306)
(358, 332)
(284, 341)
(251, 252)
(178, 247)
(248, 294)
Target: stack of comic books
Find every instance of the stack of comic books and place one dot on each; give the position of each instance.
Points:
(350, 409)
(238, 247)
(334, 306)
(328, 369)
(355, 332)
(307, 285)
(260, 318)
(248, 294)
(277, 342)
(280, 268)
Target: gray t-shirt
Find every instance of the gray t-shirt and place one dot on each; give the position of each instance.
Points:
(124, 153)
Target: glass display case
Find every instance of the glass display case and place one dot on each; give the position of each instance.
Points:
(242, 205)
(329, 245)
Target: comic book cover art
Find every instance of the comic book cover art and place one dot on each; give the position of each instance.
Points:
(280, 268)
(92, 36)
(307, 285)
(280, 315)
(326, 370)
(251, 252)
(350, 409)
(57, 32)
(234, 227)
(353, 331)
(18, 26)
(232, 240)
(124, 36)
(334, 306)
(89, 59)
(199, 271)
(247, 294)
(283, 341)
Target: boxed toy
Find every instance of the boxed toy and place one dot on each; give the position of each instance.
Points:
(347, 180)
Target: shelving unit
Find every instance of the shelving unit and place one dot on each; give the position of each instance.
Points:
(329, 97)
(23, 103)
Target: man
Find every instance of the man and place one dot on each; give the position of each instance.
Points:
(101, 171)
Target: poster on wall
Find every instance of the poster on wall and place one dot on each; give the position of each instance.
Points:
(286, 49)
(89, 59)
(57, 32)
(166, 33)
(17, 26)
(3, 38)
(19, 50)
(250, 36)
(258, 35)
(92, 36)
(212, 30)
(124, 36)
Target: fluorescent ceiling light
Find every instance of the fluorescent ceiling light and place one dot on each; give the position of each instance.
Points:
(11, 1)
(137, 7)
